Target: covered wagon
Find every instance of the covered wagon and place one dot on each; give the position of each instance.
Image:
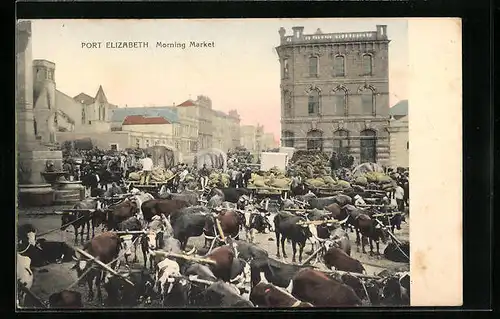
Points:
(212, 157)
(164, 156)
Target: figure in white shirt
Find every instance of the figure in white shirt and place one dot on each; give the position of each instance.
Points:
(399, 195)
(359, 201)
(147, 167)
(182, 177)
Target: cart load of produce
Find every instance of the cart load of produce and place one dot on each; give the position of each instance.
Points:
(379, 180)
(310, 164)
(364, 168)
(218, 178)
(274, 178)
(158, 174)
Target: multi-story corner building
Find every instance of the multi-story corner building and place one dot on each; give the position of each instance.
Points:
(335, 92)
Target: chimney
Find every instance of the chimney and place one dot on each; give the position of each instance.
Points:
(297, 32)
(381, 31)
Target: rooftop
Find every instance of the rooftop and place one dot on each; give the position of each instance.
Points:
(141, 120)
(399, 109)
(167, 112)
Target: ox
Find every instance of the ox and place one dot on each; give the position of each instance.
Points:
(105, 247)
(270, 296)
(315, 287)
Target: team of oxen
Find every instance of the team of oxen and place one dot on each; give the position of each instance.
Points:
(227, 271)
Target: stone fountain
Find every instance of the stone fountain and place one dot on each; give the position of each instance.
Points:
(37, 186)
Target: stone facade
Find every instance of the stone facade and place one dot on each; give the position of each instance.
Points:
(335, 92)
(399, 142)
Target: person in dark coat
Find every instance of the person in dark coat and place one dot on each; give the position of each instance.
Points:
(334, 163)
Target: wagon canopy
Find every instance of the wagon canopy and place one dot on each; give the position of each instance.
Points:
(363, 168)
(164, 156)
(213, 157)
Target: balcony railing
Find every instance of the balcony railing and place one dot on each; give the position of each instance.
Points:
(332, 37)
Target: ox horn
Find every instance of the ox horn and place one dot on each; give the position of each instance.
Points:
(344, 220)
(192, 251)
(57, 212)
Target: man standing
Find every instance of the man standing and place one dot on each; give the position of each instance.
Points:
(334, 163)
(147, 167)
(399, 195)
(182, 176)
(204, 173)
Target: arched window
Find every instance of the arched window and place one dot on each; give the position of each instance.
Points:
(368, 146)
(339, 66)
(341, 142)
(367, 64)
(340, 102)
(313, 102)
(287, 103)
(288, 139)
(313, 66)
(315, 140)
(367, 102)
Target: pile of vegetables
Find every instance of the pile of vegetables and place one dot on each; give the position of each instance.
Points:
(274, 178)
(377, 179)
(310, 164)
(218, 178)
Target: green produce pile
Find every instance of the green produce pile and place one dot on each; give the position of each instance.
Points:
(381, 180)
(218, 178)
(310, 164)
(274, 178)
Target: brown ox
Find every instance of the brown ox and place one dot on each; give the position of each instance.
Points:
(223, 256)
(66, 299)
(369, 228)
(154, 207)
(268, 295)
(313, 286)
(230, 222)
(105, 247)
(335, 257)
(120, 212)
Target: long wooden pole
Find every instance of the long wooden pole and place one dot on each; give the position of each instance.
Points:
(197, 259)
(312, 255)
(341, 273)
(100, 263)
(219, 228)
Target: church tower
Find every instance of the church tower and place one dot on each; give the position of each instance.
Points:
(44, 90)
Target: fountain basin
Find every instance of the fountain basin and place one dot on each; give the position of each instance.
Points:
(35, 195)
(53, 177)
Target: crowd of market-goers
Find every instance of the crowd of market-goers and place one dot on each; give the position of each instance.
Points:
(115, 166)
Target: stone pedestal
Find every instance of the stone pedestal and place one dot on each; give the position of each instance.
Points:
(35, 195)
(69, 192)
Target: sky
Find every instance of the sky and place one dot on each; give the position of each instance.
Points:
(241, 72)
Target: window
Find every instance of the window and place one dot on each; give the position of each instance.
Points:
(285, 68)
(315, 140)
(313, 103)
(90, 122)
(147, 143)
(367, 102)
(339, 100)
(288, 139)
(137, 143)
(35, 128)
(341, 142)
(407, 145)
(368, 146)
(313, 66)
(287, 97)
(339, 66)
(367, 64)
(83, 115)
(114, 147)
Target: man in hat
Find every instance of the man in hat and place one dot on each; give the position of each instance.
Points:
(147, 167)
(204, 173)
